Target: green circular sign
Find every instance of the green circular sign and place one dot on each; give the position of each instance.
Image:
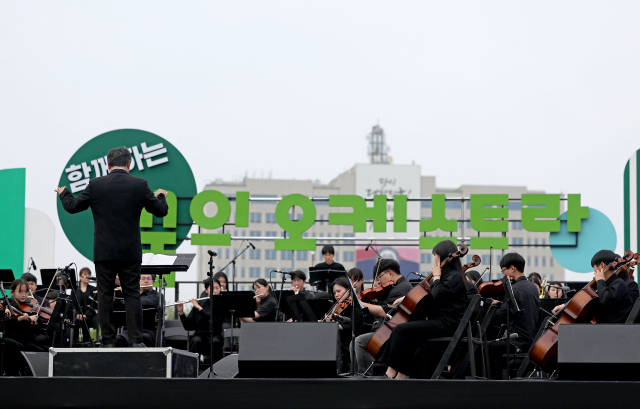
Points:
(153, 159)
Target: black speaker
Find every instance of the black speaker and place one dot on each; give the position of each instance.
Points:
(225, 368)
(600, 352)
(289, 350)
(38, 363)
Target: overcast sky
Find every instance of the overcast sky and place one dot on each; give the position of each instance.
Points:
(538, 94)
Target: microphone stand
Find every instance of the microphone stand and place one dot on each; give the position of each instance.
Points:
(284, 278)
(233, 280)
(210, 274)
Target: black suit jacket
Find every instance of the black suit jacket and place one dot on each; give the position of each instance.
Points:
(116, 201)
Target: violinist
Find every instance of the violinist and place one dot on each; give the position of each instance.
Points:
(33, 287)
(449, 305)
(536, 279)
(340, 290)
(613, 293)
(357, 278)
(525, 322)
(474, 277)
(198, 321)
(388, 271)
(266, 302)
(19, 327)
(297, 284)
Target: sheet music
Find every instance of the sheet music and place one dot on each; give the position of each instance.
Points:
(150, 259)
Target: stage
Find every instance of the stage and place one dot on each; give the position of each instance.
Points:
(95, 393)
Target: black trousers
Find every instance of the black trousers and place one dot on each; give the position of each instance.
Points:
(129, 274)
(405, 340)
(199, 343)
(496, 351)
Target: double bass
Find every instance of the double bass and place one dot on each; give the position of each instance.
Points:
(581, 308)
(415, 306)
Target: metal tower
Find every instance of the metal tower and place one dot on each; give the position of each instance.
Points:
(377, 149)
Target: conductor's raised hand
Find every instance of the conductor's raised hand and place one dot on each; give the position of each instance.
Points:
(164, 192)
(60, 189)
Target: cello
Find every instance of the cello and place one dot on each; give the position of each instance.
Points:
(415, 306)
(581, 308)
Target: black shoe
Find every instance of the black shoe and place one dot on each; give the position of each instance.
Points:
(108, 346)
(378, 377)
(139, 345)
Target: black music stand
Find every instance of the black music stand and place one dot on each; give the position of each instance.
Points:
(47, 275)
(300, 308)
(181, 263)
(512, 308)
(326, 276)
(279, 294)
(6, 276)
(234, 303)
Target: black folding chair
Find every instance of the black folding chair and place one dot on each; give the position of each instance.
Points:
(633, 315)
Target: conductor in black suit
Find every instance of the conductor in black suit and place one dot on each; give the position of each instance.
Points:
(116, 201)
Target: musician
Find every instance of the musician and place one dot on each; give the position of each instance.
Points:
(198, 321)
(554, 291)
(297, 284)
(85, 297)
(116, 201)
(357, 278)
(388, 271)
(613, 293)
(525, 322)
(449, 305)
(223, 279)
(149, 299)
(534, 278)
(266, 302)
(341, 291)
(631, 285)
(33, 287)
(328, 253)
(21, 328)
(474, 276)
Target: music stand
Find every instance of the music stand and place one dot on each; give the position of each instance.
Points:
(282, 295)
(512, 308)
(181, 263)
(326, 276)
(299, 306)
(48, 274)
(235, 303)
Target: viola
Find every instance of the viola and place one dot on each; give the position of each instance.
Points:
(581, 308)
(376, 292)
(415, 306)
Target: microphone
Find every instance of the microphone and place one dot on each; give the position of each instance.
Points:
(418, 274)
(289, 273)
(251, 244)
(368, 245)
(33, 264)
(513, 335)
(212, 253)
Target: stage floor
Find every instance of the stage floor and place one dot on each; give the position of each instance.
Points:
(152, 393)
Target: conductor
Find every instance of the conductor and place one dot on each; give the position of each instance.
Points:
(116, 201)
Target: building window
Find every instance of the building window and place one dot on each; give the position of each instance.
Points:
(535, 261)
(335, 258)
(271, 234)
(270, 254)
(270, 217)
(425, 258)
(544, 242)
(550, 261)
(348, 256)
(486, 260)
(226, 253)
(285, 255)
(255, 217)
(267, 271)
(529, 260)
(242, 272)
(254, 272)
(254, 234)
(535, 242)
(301, 255)
(254, 254)
(544, 261)
(516, 225)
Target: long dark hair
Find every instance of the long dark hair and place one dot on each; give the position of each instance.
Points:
(474, 276)
(264, 283)
(342, 282)
(443, 250)
(226, 279)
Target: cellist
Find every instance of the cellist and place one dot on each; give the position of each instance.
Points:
(449, 305)
(613, 293)
(388, 270)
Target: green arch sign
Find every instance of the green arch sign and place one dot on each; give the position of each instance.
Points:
(153, 159)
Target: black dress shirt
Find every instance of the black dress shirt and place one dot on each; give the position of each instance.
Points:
(267, 309)
(525, 322)
(615, 301)
(400, 289)
(449, 301)
(633, 288)
(198, 321)
(324, 266)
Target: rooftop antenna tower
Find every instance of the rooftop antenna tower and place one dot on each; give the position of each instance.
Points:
(377, 148)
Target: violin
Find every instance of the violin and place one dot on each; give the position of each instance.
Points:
(581, 308)
(376, 292)
(337, 311)
(624, 270)
(492, 289)
(415, 306)
(31, 306)
(475, 262)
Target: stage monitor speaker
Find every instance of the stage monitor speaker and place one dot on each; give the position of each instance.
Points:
(600, 352)
(38, 363)
(225, 368)
(289, 350)
(123, 362)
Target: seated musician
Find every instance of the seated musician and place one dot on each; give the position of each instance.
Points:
(449, 305)
(328, 254)
(198, 321)
(357, 278)
(341, 290)
(297, 284)
(388, 271)
(525, 322)
(627, 277)
(266, 302)
(19, 327)
(223, 279)
(150, 299)
(474, 276)
(613, 293)
(33, 288)
(534, 278)
(85, 295)
(555, 291)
